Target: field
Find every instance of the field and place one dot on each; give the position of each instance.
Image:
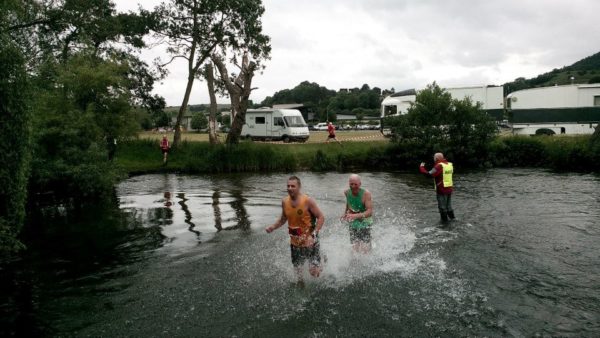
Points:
(315, 136)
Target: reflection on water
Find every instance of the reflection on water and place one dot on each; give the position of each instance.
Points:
(188, 214)
(520, 261)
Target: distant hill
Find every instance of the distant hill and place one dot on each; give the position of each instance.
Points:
(586, 70)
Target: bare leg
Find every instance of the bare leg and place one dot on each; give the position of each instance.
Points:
(315, 270)
(300, 282)
(362, 247)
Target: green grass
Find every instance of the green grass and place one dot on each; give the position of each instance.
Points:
(144, 156)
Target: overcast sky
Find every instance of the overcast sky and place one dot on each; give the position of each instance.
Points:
(405, 44)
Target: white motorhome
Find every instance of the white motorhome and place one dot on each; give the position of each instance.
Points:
(490, 97)
(568, 109)
(275, 124)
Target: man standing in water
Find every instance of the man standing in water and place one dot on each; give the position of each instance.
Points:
(359, 212)
(442, 174)
(305, 220)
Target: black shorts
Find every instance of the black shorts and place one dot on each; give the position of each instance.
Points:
(165, 151)
(360, 235)
(302, 254)
(331, 136)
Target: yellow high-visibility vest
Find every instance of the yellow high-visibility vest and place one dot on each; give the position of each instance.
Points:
(447, 171)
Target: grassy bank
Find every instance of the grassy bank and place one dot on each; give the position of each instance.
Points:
(563, 153)
(143, 156)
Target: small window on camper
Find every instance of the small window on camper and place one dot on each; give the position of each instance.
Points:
(597, 100)
(259, 120)
(278, 121)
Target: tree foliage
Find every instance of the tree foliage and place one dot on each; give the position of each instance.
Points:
(75, 92)
(199, 121)
(15, 131)
(195, 29)
(325, 102)
(73, 123)
(438, 123)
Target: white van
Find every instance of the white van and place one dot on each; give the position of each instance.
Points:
(275, 124)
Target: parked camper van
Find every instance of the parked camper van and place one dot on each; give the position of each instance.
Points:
(275, 124)
(568, 109)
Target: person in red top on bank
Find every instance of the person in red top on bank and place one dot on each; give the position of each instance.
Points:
(442, 174)
(305, 220)
(164, 147)
(331, 131)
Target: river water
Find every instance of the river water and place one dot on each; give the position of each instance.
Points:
(176, 255)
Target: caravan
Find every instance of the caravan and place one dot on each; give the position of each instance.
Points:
(490, 97)
(567, 109)
(275, 124)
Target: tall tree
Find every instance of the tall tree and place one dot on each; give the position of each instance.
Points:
(239, 89)
(212, 115)
(15, 131)
(193, 29)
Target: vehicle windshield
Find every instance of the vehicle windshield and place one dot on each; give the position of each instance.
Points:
(295, 121)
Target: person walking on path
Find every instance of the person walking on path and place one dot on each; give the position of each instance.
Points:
(331, 131)
(305, 220)
(359, 212)
(164, 147)
(442, 175)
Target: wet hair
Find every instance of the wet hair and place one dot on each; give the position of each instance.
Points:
(294, 177)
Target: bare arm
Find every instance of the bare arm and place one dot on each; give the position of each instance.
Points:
(368, 204)
(433, 172)
(347, 209)
(281, 221)
(316, 212)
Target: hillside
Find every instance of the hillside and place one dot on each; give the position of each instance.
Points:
(586, 70)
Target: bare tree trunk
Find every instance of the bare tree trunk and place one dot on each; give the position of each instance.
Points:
(212, 116)
(186, 97)
(239, 93)
(182, 108)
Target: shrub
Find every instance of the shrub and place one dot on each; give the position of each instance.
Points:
(517, 151)
(437, 123)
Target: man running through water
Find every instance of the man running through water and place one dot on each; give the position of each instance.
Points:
(359, 212)
(305, 220)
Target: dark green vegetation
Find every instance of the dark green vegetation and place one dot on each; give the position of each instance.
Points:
(15, 131)
(81, 91)
(66, 103)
